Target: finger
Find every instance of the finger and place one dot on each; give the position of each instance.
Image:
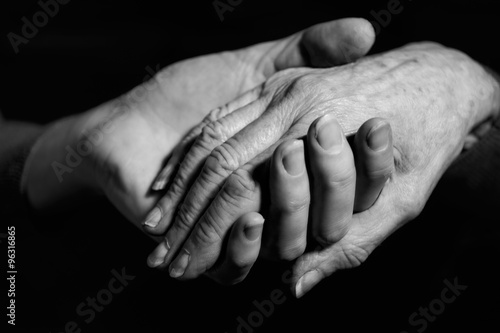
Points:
(242, 250)
(285, 236)
(374, 161)
(327, 44)
(239, 195)
(213, 134)
(334, 180)
(179, 152)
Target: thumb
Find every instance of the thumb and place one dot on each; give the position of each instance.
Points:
(313, 267)
(328, 44)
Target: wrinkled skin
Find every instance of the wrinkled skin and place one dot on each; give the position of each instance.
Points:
(431, 95)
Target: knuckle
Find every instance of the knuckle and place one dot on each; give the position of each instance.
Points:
(184, 221)
(340, 180)
(301, 84)
(353, 256)
(213, 115)
(310, 83)
(208, 231)
(240, 185)
(410, 203)
(332, 236)
(295, 206)
(380, 173)
(222, 160)
(238, 264)
(211, 135)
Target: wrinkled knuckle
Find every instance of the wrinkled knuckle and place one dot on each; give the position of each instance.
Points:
(212, 133)
(222, 160)
(214, 114)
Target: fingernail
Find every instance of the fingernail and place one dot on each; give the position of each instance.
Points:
(163, 178)
(306, 282)
(252, 232)
(159, 184)
(178, 267)
(378, 138)
(157, 258)
(329, 134)
(293, 158)
(153, 218)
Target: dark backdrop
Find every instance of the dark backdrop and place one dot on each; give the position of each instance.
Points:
(92, 51)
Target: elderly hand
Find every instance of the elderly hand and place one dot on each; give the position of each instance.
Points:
(432, 96)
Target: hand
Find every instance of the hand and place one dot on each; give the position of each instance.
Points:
(442, 90)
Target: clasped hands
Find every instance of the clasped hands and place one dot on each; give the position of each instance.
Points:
(250, 156)
(325, 145)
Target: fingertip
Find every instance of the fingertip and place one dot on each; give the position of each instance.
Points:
(250, 226)
(153, 218)
(162, 179)
(157, 257)
(378, 138)
(306, 283)
(359, 36)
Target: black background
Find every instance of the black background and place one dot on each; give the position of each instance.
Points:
(93, 51)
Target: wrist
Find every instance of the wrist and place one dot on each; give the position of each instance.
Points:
(59, 167)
